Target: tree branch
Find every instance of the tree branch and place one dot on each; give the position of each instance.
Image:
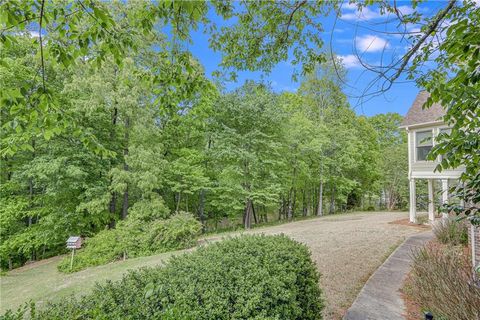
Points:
(41, 45)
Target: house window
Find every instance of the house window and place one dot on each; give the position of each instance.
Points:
(424, 144)
(446, 130)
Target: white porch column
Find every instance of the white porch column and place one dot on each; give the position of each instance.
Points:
(413, 201)
(431, 201)
(445, 195)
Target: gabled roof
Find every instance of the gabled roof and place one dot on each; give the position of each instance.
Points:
(417, 115)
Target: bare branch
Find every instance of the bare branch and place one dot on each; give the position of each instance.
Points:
(290, 18)
(431, 29)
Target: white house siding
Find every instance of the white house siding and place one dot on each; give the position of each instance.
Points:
(426, 169)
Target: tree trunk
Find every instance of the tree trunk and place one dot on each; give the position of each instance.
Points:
(201, 209)
(280, 210)
(179, 197)
(304, 203)
(247, 217)
(112, 208)
(125, 168)
(332, 201)
(113, 203)
(290, 204)
(113, 200)
(31, 194)
(125, 204)
(254, 214)
(320, 199)
(30, 197)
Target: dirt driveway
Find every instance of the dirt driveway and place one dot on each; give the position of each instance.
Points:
(347, 250)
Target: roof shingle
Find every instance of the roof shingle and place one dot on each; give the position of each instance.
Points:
(417, 115)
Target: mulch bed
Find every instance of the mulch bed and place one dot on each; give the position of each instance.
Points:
(406, 222)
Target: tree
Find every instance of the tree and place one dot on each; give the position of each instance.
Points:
(393, 162)
(455, 84)
(246, 142)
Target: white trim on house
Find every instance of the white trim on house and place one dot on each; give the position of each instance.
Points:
(420, 125)
(426, 169)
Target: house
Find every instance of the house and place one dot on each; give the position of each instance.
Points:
(422, 126)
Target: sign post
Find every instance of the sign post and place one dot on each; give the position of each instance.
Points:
(73, 243)
(71, 259)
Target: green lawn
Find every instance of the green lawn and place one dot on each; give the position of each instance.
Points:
(41, 281)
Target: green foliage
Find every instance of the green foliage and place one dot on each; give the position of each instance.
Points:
(451, 231)
(250, 277)
(455, 84)
(440, 282)
(134, 238)
(246, 149)
(121, 126)
(393, 163)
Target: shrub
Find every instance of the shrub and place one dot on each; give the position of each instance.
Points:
(441, 282)
(451, 231)
(135, 238)
(177, 232)
(250, 277)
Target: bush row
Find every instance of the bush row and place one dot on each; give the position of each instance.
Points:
(250, 277)
(134, 238)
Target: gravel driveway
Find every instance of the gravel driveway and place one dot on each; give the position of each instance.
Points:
(347, 249)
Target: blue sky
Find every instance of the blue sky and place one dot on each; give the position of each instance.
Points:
(355, 31)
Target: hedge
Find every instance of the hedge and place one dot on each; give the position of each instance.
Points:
(249, 277)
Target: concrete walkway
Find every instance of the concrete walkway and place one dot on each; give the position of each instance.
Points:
(380, 297)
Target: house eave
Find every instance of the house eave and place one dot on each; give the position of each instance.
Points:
(421, 125)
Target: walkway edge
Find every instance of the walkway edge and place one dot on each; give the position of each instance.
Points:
(380, 297)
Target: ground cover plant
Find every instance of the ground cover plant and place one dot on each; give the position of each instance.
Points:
(135, 238)
(451, 231)
(441, 282)
(249, 277)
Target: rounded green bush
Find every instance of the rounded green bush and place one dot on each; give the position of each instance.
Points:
(250, 277)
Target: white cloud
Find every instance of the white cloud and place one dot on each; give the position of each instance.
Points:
(365, 14)
(350, 61)
(31, 34)
(405, 10)
(371, 43)
(34, 34)
(349, 6)
(351, 12)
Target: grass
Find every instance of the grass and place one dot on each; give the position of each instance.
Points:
(42, 281)
(346, 248)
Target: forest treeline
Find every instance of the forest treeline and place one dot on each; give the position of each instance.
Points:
(129, 145)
